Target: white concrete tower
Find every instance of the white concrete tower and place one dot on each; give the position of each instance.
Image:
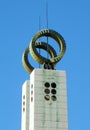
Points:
(25, 105)
(47, 107)
(44, 96)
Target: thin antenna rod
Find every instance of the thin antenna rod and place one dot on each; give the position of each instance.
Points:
(39, 38)
(47, 26)
(47, 14)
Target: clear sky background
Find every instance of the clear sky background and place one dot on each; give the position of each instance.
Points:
(19, 22)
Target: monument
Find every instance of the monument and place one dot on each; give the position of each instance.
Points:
(44, 96)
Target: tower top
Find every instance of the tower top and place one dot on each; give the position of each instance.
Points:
(34, 44)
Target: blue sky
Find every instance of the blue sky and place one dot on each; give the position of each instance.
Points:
(19, 22)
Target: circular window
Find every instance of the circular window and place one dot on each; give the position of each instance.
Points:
(23, 109)
(47, 91)
(47, 97)
(53, 91)
(31, 99)
(32, 92)
(23, 96)
(23, 103)
(53, 98)
(53, 85)
(47, 85)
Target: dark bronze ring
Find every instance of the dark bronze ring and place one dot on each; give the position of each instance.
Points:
(48, 33)
(29, 68)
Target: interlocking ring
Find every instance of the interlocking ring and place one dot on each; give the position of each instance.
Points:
(29, 68)
(32, 48)
(50, 33)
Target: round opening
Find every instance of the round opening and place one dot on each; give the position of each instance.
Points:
(53, 98)
(47, 97)
(23, 103)
(53, 85)
(23, 96)
(47, 85)
(31, 99)
(23, 109)
(47, 91)
(32, 92)
(53, 91)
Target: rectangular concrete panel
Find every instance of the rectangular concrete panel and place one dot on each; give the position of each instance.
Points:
(25, 105)
(48, 100)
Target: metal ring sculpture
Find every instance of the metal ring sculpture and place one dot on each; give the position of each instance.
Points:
(35, 54)
(29, 68)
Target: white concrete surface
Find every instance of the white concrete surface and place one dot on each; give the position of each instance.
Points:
(25, 105)
(45, 113)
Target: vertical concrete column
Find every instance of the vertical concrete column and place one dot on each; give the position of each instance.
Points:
(48, 100)
(25, 105)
